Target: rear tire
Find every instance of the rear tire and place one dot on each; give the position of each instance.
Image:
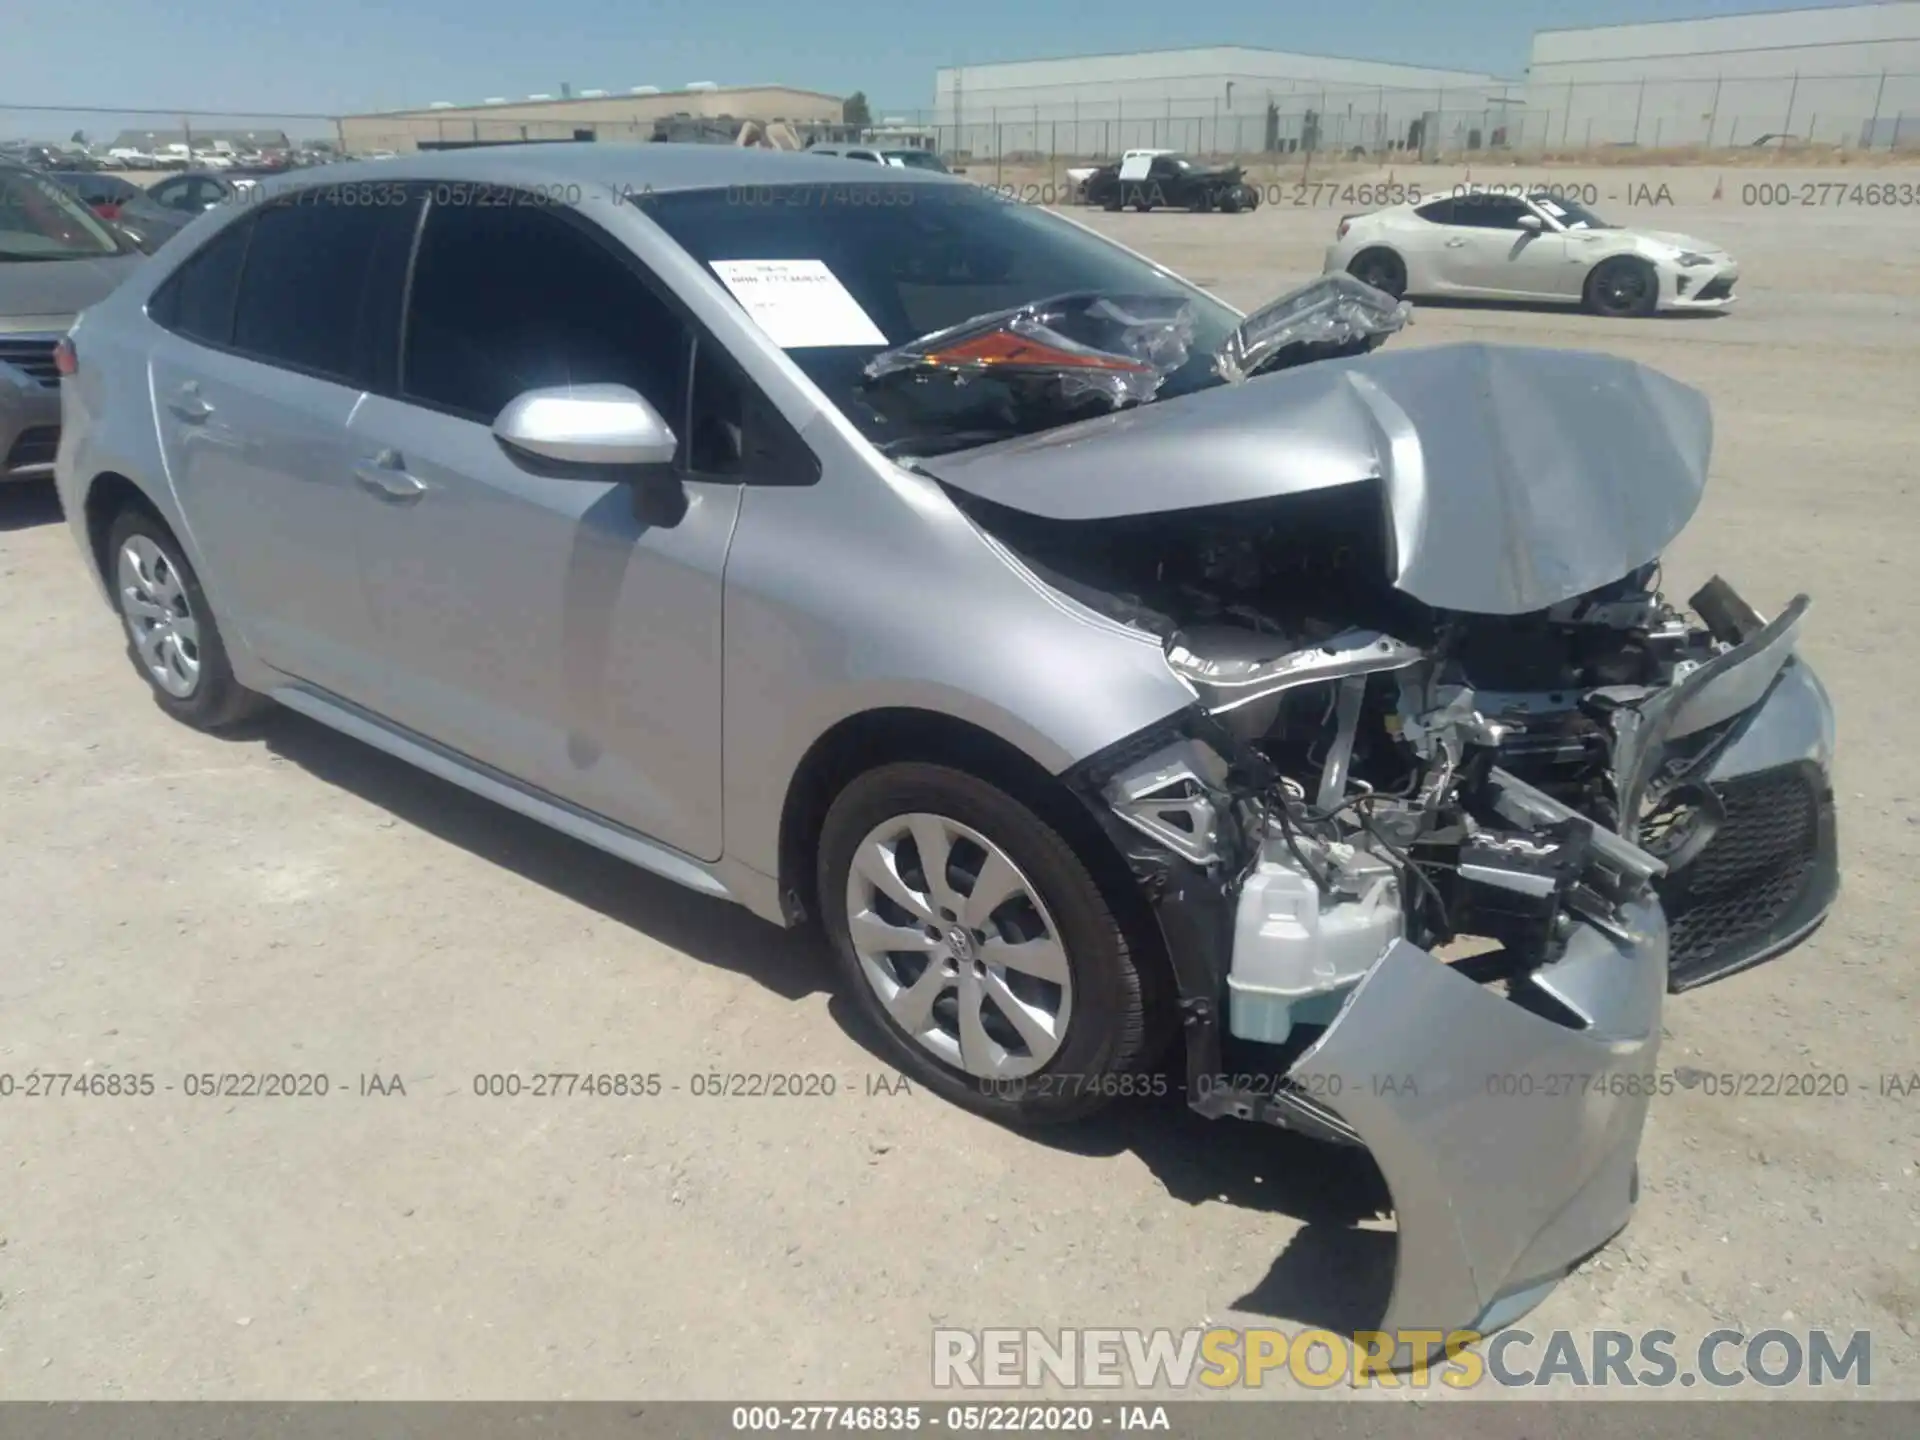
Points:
(1382, 269)
(172, 636)
(1623, 288)
(1046, 947)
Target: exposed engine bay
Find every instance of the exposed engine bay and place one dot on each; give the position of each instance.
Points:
(1401, 771)
(1461, 793)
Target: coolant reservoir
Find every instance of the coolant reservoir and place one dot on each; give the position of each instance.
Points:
(1295, 949)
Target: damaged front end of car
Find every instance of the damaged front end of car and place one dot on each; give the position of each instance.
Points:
(1461, 793)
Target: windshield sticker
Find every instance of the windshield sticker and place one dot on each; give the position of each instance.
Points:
(799, 303)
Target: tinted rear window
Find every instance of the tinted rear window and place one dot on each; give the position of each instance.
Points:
(306, 281)
(198, 300)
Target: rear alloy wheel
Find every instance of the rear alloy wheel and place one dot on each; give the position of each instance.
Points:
(1625, 287)
(171, 634)
(1382, 269)
(980, 946)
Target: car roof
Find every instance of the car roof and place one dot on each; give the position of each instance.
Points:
(659, 167)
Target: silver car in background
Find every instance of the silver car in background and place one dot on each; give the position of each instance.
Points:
(56, 258)
(1097, 665)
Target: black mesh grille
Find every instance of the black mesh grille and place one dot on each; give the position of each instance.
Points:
(35, 445)
(1718, 288)
(35, 357)
(1732, 899)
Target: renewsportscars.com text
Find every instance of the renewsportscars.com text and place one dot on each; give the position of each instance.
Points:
(1222, 1358)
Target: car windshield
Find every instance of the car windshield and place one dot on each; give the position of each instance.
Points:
(884, 264)
(41, 221)
(1570, 213)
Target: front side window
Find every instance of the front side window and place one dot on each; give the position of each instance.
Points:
(308, 283)
(1569, 214)
(1490, 212)
(174, 194)
(512, 298)
(41, 221)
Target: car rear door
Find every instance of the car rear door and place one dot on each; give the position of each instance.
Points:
(534, 621)
(271, 333)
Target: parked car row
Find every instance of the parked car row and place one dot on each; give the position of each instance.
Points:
(153, 214)
(218, 155)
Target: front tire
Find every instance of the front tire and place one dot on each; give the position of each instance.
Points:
(1382, 269)
(977, 942)
(1623, 288)
(172, 637)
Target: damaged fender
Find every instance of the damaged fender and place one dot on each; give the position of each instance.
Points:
(1506, 1138)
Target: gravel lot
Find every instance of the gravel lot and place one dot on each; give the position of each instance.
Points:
(289, 900)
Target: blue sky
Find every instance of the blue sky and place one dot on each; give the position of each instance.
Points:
(351, 55)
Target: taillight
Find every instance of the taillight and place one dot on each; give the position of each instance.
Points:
(1346, 224)
(66, 360)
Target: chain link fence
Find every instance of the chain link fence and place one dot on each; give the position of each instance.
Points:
(1874, 111)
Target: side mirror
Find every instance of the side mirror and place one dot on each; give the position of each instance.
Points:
(587, 425)
(1530, 222)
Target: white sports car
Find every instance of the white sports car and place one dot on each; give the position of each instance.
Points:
(1535, 246)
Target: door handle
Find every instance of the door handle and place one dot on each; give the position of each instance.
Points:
(188, 404)
(385, 475)
(1455, 243)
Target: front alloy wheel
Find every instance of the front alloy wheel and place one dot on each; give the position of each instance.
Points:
(972, 934)
(1624, 288)
(958, 946)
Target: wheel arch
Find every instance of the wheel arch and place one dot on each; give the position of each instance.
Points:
(871, 738)
(1384, 247)
(108, 495)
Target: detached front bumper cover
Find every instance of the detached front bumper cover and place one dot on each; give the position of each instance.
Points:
(1507, 1138)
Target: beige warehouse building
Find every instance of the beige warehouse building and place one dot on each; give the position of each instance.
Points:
(592, 115)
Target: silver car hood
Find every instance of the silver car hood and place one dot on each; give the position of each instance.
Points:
(47, 294)
(1514, 478)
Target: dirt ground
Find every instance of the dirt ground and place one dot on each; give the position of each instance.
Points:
(291, 901)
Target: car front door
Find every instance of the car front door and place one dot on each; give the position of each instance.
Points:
(272, 333)
(1493, 252)
(560, 628)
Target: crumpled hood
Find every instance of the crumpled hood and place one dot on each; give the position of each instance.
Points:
(1514, 478)
(47, 294)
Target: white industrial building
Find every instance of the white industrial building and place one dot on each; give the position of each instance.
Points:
(1848, 75)
(1216, 100)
